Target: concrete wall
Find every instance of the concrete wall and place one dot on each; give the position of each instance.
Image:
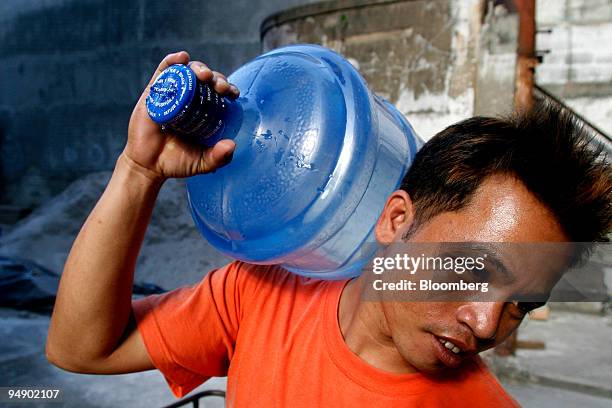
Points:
(578, 67)
(438, 61)
(71, 70)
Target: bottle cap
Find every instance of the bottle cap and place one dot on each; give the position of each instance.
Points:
(171, 93)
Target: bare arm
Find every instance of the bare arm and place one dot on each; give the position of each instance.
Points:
(92, 328)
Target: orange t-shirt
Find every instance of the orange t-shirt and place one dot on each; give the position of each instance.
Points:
(276, 336)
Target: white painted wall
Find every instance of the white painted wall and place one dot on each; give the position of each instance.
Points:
(580, 55)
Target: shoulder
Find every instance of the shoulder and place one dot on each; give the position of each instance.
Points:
(254, 277)
(261, 287)
(267, 279)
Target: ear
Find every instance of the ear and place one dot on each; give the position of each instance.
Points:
(397, 216)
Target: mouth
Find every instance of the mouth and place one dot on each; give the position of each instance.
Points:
(449, 353)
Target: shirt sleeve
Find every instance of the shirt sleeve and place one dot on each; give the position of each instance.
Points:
(190, 333)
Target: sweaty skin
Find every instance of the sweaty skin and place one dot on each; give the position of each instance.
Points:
(399, 336)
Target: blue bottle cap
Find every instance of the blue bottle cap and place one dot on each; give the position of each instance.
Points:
(171, 92)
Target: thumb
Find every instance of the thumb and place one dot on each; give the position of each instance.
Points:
(217, 156)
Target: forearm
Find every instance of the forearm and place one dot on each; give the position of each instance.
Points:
(90, 328)
(93, 304)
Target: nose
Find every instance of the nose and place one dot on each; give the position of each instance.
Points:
(483, 318)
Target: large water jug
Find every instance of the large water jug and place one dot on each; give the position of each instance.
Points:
(317, 155)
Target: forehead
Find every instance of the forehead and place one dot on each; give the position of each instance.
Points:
(501, 210)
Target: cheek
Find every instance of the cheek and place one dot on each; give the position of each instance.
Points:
(409, 317)
(411, 326)
(401, 320)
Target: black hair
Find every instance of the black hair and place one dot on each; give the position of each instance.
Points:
(552, 154)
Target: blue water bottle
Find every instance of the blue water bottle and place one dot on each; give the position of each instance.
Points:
(317, 155)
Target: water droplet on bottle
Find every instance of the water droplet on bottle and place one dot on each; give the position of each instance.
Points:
(279, 155)
(260, 145)
(301, 163)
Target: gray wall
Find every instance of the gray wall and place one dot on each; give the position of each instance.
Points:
(71, 70)
(438, 61)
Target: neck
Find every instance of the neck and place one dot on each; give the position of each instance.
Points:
(365, 330)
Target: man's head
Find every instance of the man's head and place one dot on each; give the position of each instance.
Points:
(532, 178)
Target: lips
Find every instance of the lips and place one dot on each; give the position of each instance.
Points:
(450, 352)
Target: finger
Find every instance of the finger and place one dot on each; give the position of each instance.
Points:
(235, 92)
(201, 70)
(220, 75)
(217, 156)
(181, 57)
(220, 83)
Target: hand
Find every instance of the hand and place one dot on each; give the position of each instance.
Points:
(160, 155)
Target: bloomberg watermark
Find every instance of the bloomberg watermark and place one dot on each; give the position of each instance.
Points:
(538, 271)
(411, 264)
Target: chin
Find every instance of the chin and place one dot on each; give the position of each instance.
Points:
(431, 369)
(421, 364)
(431, 360)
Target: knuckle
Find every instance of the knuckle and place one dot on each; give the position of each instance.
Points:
(201, 66)
(220, 81)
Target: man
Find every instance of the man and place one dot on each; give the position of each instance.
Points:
(289, 341)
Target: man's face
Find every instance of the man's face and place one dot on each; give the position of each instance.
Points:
(501, 210)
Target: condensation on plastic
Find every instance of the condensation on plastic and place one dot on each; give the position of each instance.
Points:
(317, 156)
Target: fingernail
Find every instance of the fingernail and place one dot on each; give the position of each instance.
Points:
(228, 157)
(234, 89)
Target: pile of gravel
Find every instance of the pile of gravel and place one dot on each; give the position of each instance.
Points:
(173, 254)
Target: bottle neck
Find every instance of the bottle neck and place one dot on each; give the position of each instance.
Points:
(207, 117)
